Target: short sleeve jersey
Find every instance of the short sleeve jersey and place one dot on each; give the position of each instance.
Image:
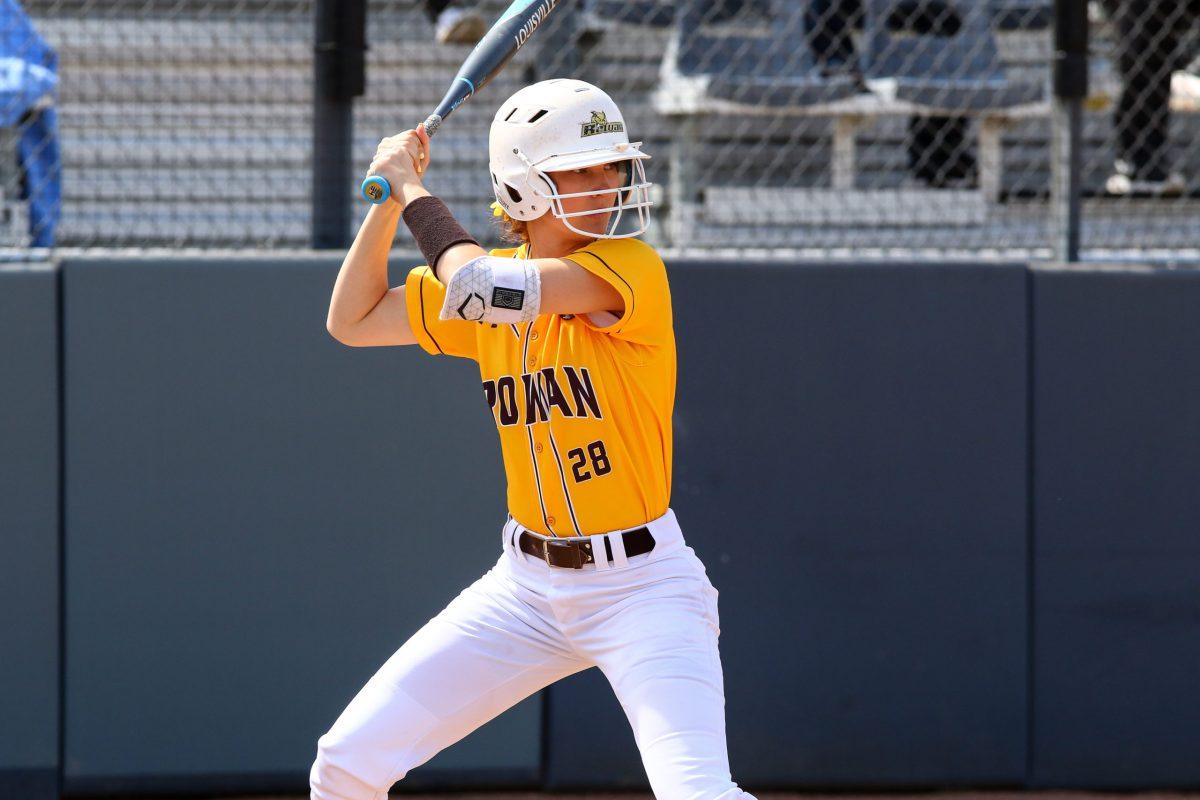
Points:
(582, 403)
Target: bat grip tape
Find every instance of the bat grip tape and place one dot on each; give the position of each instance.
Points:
(434, 228)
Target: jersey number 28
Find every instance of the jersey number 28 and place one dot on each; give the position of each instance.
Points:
(596, 454)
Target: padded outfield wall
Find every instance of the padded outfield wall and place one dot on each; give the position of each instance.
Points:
(29, 531)
(948, 508)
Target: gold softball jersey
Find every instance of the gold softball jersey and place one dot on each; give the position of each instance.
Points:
(583, 402)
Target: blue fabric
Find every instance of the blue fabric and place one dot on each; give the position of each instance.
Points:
(28, 72)
(40, 156)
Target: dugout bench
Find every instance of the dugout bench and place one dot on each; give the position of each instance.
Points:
(759, 64)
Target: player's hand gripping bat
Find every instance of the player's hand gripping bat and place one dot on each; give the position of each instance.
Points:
(508, 35)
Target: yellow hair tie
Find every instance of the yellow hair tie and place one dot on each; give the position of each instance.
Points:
(497, 211)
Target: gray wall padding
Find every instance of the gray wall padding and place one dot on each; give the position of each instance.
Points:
(850, 465)
(258, 516)
(29, 531)
(1117, 528)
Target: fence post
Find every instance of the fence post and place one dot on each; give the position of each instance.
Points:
(339, 73)
(1070, 89)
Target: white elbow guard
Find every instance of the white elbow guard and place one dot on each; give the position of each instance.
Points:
(493, 289)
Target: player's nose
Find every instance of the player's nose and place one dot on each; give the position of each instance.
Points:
(603, 183)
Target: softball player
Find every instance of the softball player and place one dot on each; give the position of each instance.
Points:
(573, 335)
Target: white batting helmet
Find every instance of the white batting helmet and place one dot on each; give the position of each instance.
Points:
(564, 124)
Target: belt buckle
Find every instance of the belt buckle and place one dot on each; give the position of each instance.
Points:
(576, 554)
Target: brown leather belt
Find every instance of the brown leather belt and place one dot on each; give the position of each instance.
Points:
(574, 551)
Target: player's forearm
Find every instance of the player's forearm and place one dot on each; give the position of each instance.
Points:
(363, 278)
(444, 242)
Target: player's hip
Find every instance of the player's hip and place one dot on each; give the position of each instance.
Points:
(589, 558)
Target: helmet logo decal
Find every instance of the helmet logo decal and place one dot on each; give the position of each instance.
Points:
(599, 124)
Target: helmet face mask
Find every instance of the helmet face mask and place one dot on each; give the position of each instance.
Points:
(632, 193)
(558, 126)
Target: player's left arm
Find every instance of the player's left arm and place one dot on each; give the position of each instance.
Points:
(566, 287)
(634, 270)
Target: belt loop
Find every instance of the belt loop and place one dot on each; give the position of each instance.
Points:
(620, 560)
(515, 543)
(599, 552)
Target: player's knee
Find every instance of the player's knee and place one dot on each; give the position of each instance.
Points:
(729, 791)
(342, 772)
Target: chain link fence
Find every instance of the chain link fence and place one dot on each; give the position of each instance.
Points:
(816, 127)
(1141, 179)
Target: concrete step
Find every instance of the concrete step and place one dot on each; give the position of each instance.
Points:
(740, 205)
(239, 186)
(404, 39)
(86, 223)
(233, 84)
(101, 40)
(210, 149)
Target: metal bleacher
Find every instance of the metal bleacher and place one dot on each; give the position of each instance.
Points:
(943, 59)
(164, 121)
(195, 129)
(189, 124)
(943, 64)
(752, 59)
(184, 129)
(752, 177)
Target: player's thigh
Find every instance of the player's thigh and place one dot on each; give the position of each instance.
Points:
(481, 655)
(666, 671)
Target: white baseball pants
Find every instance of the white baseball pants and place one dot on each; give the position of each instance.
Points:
(649, 622)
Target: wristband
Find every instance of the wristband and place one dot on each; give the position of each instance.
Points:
(434, 228)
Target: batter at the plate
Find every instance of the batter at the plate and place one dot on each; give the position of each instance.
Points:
(573, 335)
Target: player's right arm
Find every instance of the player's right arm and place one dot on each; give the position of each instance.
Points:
(363, 311)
